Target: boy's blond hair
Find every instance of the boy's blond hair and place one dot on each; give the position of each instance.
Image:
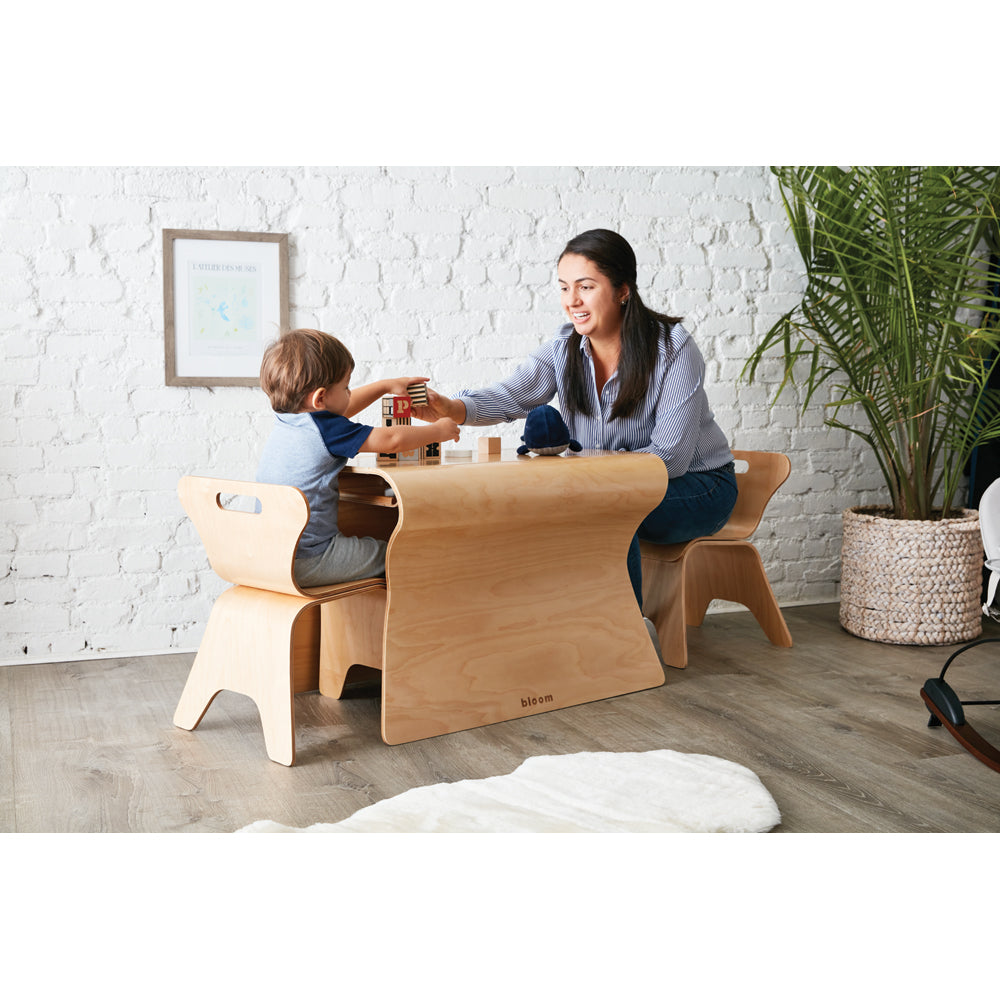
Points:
(299, 362)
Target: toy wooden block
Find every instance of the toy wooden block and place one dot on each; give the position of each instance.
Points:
(418, 393)
(489, 447)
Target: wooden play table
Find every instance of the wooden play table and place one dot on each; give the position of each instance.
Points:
(507, 589)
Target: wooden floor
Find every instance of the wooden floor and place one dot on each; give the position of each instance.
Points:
(834, 727)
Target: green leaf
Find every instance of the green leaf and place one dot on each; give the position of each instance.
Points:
(897, 322)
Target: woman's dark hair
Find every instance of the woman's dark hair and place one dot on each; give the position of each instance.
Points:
(641, 326)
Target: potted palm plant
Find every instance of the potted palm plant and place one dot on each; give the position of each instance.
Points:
(898, 327)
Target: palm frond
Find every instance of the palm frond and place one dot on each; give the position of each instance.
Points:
(897, 319)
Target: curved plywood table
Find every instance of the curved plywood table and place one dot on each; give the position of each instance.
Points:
(507, 587)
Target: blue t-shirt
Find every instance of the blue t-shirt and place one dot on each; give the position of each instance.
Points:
(308, 450)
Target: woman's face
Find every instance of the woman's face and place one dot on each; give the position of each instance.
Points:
(592, 303)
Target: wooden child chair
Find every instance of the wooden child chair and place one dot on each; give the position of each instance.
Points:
(680, 581)
(258, 639)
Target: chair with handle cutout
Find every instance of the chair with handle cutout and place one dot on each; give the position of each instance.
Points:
(262, 635)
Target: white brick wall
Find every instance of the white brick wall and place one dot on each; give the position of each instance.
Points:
(445, 271)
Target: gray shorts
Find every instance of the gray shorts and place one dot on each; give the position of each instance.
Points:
(346, 558)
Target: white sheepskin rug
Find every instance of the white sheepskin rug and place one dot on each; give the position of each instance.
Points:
(660, 791)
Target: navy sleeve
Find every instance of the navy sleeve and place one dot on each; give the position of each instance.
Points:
(341, 436)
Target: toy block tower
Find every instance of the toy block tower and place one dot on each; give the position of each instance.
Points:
(396, 411)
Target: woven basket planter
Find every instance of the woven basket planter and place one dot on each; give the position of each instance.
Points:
(916, 583)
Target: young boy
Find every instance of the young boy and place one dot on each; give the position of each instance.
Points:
(306, 375)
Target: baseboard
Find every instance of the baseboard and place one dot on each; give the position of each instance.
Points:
(129, 654)
(103, 655)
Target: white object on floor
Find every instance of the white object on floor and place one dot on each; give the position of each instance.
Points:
(659, 791)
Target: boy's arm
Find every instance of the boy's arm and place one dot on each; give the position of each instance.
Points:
(403, 437)
(365, 395)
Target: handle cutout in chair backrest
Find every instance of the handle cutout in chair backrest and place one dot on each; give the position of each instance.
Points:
(766, 471)
(253, 549)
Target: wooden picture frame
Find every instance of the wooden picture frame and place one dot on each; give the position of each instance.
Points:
(225, 297)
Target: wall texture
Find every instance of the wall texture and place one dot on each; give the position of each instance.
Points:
(442, 271)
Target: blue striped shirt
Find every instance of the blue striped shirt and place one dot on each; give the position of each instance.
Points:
(674, 421)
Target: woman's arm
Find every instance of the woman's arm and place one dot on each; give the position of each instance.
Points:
(681, 410)
(532, 384)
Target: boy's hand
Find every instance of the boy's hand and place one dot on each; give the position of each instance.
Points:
(448, 428)
(398, 386)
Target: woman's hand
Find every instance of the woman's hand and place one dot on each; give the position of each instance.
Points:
(439, 406)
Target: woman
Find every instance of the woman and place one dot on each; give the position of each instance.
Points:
(628, 379)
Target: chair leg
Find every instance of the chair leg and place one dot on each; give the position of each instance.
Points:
(305, 651)
(247, 648)
(352, 631)
(733, 572)
(200, 688)
(663, 587)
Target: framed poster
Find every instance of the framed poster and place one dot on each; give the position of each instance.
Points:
(225, 297)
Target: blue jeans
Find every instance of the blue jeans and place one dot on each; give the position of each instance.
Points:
(696, 504)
